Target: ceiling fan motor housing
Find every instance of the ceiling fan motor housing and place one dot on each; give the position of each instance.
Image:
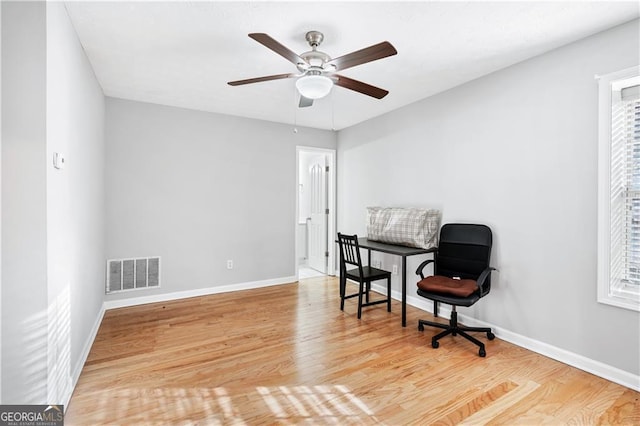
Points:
(314, 38)
(314, 58)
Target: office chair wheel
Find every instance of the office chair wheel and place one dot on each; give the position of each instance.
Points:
(491, 336)
(420, 327)
(435, 344)
(482, 353)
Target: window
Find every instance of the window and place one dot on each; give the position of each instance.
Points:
(619, 189)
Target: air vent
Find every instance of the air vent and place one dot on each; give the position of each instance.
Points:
(132, 274)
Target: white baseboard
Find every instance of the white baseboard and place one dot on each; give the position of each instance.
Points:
(134, 301)
(75, 375)
(589, 365)
(594, 367)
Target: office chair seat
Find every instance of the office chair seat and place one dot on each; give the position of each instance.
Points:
(448, 290)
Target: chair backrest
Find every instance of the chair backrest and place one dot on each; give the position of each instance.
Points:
(349, 252)
(464, 251)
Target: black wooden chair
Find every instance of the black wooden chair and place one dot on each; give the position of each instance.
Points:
(363, 275)
(462, 276)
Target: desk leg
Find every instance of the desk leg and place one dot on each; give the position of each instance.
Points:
(369, 283)
(343, 284)
(404, 291)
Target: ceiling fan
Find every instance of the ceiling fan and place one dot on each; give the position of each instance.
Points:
(318, 70)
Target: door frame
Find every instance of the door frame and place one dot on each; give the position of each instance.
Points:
(331, 204)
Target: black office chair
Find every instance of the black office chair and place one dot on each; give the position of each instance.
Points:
(364, 275)
(462, 276)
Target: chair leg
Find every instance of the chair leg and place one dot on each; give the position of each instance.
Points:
(478, 329)
(363, 296)
(422, 323)
(360, 299)
(472, 339)
(343, 285)
(434, 339)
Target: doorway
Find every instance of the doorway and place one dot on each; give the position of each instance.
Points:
(315, 212)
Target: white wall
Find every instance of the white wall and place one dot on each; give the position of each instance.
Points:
(199, 189)
(75, 201)
(0, 201)
(24, 267)
(517, 150)
(52, 220)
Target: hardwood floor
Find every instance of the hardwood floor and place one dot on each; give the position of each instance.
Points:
(287, 355)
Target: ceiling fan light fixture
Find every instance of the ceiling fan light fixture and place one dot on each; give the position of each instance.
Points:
(314, 86)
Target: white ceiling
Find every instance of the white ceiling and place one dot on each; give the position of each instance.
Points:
(184, 53)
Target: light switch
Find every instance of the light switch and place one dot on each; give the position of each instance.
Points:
(58, 160)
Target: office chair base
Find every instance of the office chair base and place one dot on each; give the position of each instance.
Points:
(454, 329)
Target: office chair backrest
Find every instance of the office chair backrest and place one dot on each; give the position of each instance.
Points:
(349, 251)
(464, 251)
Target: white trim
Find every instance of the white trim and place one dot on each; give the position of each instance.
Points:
(122, 303)
(589, 365)
(604, 291)
(75, 375)
(0, 202)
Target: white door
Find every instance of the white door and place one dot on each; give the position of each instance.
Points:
(318, 224)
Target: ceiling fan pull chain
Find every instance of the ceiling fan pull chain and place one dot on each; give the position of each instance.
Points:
(295, 110)
(333, 113)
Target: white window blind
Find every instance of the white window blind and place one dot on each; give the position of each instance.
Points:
(619, 189)
(625, 188)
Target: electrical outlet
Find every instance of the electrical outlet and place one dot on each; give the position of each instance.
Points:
(395, 270)
(229, 264)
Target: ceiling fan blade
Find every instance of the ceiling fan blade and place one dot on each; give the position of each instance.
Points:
(362, 56)
(281, 50)
(259, 79)
(305, 102)
(358, 86)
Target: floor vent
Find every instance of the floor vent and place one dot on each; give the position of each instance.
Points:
(132, 274)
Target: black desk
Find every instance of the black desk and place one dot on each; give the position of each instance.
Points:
(402, 251)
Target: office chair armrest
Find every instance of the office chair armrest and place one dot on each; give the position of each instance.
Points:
(421, 267)
(483, 277)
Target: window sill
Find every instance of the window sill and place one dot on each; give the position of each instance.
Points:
(625, 301)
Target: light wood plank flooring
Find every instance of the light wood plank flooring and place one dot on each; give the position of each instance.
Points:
(287, 355)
